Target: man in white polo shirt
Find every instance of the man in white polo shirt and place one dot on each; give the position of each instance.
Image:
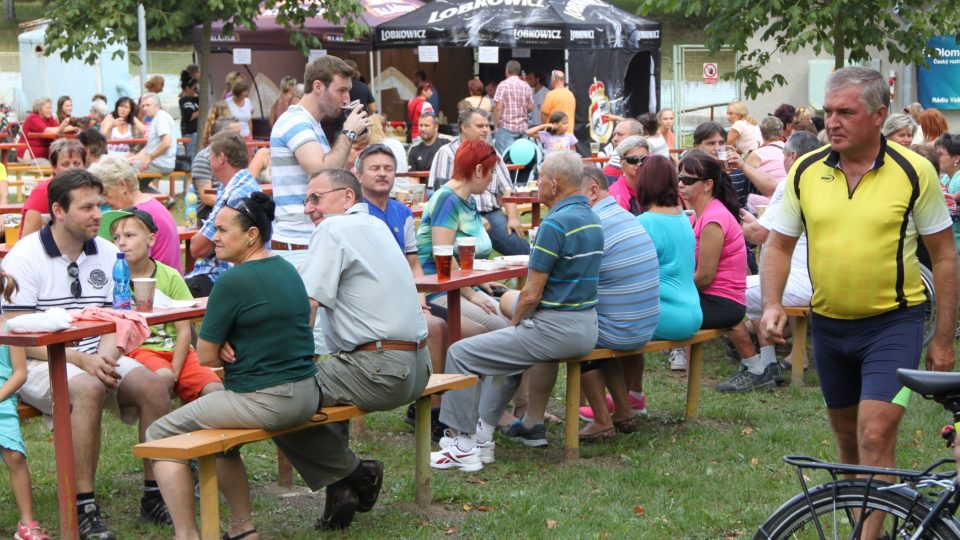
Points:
(66, 265)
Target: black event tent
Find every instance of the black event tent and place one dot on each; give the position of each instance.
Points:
(616, 47)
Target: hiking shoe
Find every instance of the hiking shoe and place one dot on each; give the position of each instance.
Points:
(30, 531)
(452, 457)
(637, 405)
(154, 510)
(535, 436)
(678, 360)
(745, 381)
(91, 526)
(486, 448)
(779, 373)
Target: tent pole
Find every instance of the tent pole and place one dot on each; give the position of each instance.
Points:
(379, 73)
(566, 65)
(372, 72)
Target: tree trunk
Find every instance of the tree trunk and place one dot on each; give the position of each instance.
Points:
(9, 11)
(206, 86)
(838, 50)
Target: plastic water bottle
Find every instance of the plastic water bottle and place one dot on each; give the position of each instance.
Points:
(190, 214)
(121, 282)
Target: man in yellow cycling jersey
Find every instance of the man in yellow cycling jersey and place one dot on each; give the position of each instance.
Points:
(863, 201)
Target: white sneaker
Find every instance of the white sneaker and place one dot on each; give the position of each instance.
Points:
(486, 448)
(452, 457)
(678, 360)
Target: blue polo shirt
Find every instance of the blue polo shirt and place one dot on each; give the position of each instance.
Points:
(629, 287)
(399, 220)
(569, 248)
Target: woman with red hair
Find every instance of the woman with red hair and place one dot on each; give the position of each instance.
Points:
(451, 214)
(933, 125)
(418, 106)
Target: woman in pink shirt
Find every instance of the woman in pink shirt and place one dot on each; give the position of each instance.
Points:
(633, 150)
(721, 274)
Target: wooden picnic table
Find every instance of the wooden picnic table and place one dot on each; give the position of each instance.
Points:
(186, 235)
(458, 279)
(258, 144)
(55, 136)
(530, 198)
(4, 147)
(11, 208)
(56, 343)
(598, 159)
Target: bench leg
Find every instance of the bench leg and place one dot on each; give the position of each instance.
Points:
(571, 426)
(209, 499)
(798, 354)
(422, 441)
(284, 470)
(693, 380)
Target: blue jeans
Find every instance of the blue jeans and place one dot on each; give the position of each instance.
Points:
(506, 244)
(503, 138)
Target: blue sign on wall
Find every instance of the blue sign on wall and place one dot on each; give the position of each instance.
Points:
(938, 85)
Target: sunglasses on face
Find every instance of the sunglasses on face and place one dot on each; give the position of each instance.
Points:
(74, 272)
(315, 198)
(688, 180)
(634, 160)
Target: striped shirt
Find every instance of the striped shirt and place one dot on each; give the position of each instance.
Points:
(514, 95)
(241, 185)
(569, 248)
(629, 287)
(442, 170)
(44, 281)
(293, 129)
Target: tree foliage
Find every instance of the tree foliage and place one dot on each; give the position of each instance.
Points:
(849, 30)
(82, 29)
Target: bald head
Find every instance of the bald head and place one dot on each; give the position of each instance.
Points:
(626, 128)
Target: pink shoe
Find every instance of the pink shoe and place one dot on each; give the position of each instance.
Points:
(638, 405)
(33, 531)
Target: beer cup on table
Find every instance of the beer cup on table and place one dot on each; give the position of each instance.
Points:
(466, 246)
(443, 258)
(11, 229)
(595, 149)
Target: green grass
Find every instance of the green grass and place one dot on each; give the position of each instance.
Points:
(26, 11)
(718, 476)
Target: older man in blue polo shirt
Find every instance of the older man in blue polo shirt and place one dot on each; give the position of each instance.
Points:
(554, 319)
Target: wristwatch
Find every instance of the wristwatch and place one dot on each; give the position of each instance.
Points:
(350, 135)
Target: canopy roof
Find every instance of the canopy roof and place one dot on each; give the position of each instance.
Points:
(542, 24)
(270, 35)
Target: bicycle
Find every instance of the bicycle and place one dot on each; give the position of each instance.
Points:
(921, 504)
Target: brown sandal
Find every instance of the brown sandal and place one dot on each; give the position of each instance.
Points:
(599, 436)
(627, 426)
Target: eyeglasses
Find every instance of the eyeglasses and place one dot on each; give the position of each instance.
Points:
(634, 160)
(688, 180)
(315, 198)
(74, 272)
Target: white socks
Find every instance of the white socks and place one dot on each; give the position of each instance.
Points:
(466, 442)
(768, 355)
(484, 431)
(754, 364)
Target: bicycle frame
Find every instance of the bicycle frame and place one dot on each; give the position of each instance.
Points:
(912, 480)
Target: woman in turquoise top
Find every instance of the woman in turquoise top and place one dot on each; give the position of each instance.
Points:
(669, 228)
(451, 214)
(948, 150)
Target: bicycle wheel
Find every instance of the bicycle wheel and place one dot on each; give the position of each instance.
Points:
(833, 506)
(930, 305)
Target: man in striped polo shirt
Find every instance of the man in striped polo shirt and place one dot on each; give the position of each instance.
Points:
(627, 312)
(554, 318)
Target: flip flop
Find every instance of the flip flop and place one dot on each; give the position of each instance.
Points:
(627, 426)
(599, 436)
(244, 534)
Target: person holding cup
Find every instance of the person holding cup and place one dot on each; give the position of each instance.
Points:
(167, 352)
(451, 214)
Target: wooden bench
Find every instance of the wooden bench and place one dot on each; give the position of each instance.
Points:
(798, 355)
(571, 441)
(205, 445)
(25, 411)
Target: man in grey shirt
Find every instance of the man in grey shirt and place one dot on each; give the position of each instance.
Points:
(160, 153)
(361, 288)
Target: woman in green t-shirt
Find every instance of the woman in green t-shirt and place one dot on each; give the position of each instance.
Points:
(257, 328)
